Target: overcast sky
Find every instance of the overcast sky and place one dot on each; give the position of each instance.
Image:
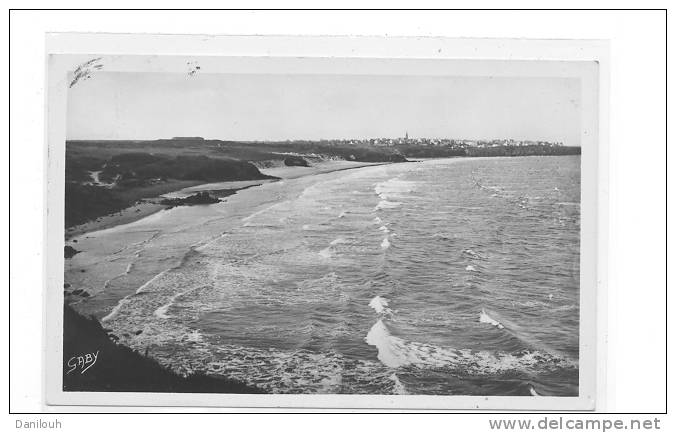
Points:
(131, 105)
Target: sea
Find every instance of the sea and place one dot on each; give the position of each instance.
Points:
(454, 276)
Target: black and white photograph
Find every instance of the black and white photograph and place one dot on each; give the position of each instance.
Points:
(457, 216)
(366, 227)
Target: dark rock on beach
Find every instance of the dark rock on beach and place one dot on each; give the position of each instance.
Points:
(202, 197)
(69, 251)
(295, 161)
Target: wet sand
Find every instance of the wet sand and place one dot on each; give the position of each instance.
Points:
(294, 172)
(125, 216)
(151, 206)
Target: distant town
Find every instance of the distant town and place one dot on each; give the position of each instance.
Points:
(459, 144)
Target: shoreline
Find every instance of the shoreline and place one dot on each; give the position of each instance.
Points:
(118, 368)
(125, 216)
(84, 325)
(150, 206)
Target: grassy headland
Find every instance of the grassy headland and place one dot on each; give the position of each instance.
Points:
(99, 183)
(105, 177)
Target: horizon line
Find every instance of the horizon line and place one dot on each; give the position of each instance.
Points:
(199, 138)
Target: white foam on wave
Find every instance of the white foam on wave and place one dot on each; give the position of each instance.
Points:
(471, 253)
(306, 227)
(389, 348)
(489, 187)
(151, 281)
(568, 307)
(393, 188)
(385, 204)
(115, 310)
(395, 352)
(384, 229)
(533, 392)
(399, 387)
(385, 244)
(326, 253)
(161, 313)
(380, 304)
(485, 318)
(127, 299)
(470, 268)
(377, 220)
(264, 210)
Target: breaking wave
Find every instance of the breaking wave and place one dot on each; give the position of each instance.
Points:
(380, 305)
(485, 318)
(385, 204)
(396, 352)
(393, 188)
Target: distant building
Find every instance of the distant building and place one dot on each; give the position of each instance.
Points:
(188, 138)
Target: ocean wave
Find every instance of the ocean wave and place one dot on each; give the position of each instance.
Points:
(380, 305)
(151, 281)
(399, 387)
(494, 189)
(485, 318)
(395, 352)
(116, 310)
(473, 254)
(385, 244)
(385, 204)
(301, 371)
(568, 307)
(161, 312)
(393, 188)
(470, 268)
(327, 252)
(127, 299)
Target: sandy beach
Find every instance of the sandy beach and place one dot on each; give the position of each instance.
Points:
(151, 206)
(286, 172)
(125, 216)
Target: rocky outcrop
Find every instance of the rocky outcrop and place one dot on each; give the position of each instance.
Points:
(295, 161)
(201, 197)
(69, 252)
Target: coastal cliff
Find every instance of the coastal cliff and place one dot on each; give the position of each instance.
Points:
(117, 368)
